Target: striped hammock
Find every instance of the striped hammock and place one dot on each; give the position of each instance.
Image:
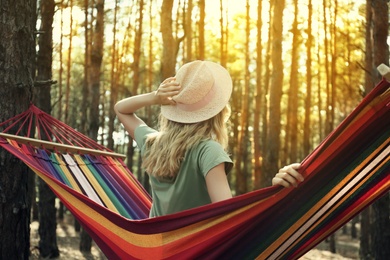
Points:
(347, 172)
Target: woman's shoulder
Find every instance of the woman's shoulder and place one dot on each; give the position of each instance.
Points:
(141, 133)
(209, 145)
(210, 153)
(144, 129)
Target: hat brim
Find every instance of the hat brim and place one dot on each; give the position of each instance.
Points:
(223, 89)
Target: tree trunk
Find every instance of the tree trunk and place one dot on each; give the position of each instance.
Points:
(34, 205)
(258, 101)
(188, 32)
(320, 131)
(335, 56)
(370, 71)
(48, 247)
(61, 69)
(85, 241)
(365, 236)
(354, 231)
(369, 83)
(223, 41)
(291, 141)
(328, 121)
(17, 59)
(137, 49)
(168, 62)
(113, 82)
(265, 112)
(96, 63)
(61, 211)
(242, 144)
(69, 64)
(202, 15)
(380, 33)
(332, 243)
(381, 208)
(381, 226)
(309, 44)
(273, 136)
(85, 104)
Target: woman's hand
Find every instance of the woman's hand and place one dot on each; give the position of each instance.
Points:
(167, 89)
(288, 176)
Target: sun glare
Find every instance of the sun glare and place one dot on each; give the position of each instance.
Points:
(78, 19)
(231, 9)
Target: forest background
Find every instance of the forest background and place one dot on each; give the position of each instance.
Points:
(298, 69)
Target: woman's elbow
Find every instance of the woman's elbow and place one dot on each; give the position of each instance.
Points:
(117, 108)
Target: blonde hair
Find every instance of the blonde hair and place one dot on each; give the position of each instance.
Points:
(165, 150)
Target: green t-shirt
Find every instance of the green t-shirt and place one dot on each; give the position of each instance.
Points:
(188, 190)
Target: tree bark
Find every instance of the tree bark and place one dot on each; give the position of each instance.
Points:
(61, 65)
(85, 104)
(354, 230)
(48, 247)
(85, 241)
(291, 141)
(47, 211)
(380, 33)
(335, 56)
(34, 205)
(309, 44)
(381, 226)
(258, 100)
(69, 64)
(242, 143)
(365, 236)
(137, 48)
(17, 59)
(273, 136)
(265, 111)
(223, 41)
(370, 71)
(113, 82)
(202, 15)
(369, 83)
(332, 243)
(96, 63)
(381, 208)
(329, 108)
(168, 62)
(188, 32)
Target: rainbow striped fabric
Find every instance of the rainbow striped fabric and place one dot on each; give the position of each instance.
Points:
(347, 172)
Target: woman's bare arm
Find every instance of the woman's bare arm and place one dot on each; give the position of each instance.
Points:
(217, 184)
(126, 108)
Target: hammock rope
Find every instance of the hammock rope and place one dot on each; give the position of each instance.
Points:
(348, 171)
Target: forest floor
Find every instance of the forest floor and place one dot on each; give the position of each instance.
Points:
(68, 243)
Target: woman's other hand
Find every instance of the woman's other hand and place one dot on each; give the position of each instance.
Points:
(288, 176)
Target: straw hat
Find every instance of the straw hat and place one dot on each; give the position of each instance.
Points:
(206, 88)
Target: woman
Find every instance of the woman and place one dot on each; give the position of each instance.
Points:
(186, 158)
